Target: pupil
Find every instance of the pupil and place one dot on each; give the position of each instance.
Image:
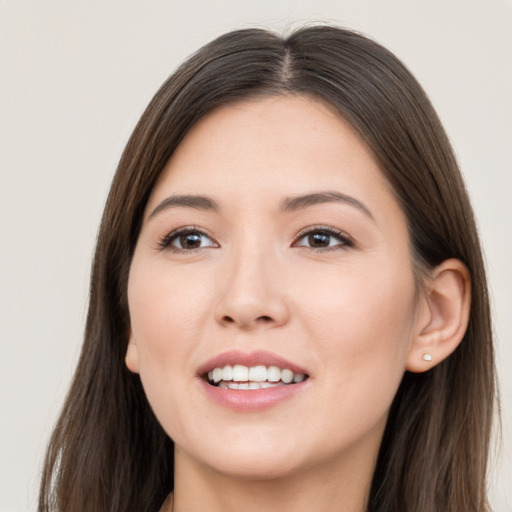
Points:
(318, 240)
(191, 240)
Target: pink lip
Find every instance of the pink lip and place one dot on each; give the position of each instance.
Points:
(252, 400)
(258, 357)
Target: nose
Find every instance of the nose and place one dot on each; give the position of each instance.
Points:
(251, 293)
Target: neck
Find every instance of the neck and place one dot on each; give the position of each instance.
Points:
(334, 486)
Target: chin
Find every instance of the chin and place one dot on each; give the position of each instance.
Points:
(258, 461)
(258, 469)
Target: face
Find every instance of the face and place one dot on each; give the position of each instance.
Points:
(272, 239)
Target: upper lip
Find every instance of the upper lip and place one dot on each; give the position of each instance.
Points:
(254, 358)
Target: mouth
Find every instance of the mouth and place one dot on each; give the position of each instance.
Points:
(251, 381)
(239, 376)
(251, 370)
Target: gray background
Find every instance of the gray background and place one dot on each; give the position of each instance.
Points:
(74, 78)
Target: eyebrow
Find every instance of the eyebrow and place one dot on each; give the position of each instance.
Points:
(299, 202)
(288, 204)
(186, 201)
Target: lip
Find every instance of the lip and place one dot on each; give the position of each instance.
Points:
(255, 358)
(250, 400)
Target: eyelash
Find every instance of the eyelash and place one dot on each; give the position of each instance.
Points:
(167, 240)
(343, 238)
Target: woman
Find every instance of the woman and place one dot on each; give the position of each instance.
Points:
(288, 301)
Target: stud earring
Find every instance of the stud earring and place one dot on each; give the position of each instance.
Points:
(427, 357)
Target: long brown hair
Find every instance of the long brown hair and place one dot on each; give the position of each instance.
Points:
(108, 452)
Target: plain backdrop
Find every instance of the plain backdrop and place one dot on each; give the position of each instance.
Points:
(75, 77)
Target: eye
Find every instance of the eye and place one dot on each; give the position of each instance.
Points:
(186, 239)
(323, 238)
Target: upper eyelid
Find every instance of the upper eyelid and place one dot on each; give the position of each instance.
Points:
(166, 240)
(329, 229)
(189, 229)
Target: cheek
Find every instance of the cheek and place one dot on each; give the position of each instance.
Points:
(166, 308)
(363, 326)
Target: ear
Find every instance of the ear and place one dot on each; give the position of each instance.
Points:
(443, 316)
(132, 355)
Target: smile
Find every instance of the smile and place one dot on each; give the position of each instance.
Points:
(243, 377)
(251, 381)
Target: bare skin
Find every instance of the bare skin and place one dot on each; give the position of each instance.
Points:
(325, 282)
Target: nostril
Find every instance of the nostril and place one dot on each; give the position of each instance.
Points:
(247, 321)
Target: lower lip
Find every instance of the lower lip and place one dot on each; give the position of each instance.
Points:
(251, 400)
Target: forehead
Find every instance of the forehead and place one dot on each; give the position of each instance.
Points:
(273, 146)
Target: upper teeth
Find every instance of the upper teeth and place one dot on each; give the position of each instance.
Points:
(241, 373)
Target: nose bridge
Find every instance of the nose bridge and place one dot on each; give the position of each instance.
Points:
(250, 294)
